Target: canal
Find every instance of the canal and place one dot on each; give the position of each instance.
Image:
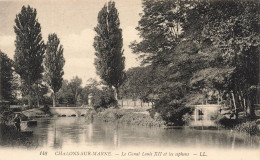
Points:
(78, 132)
(66, 131)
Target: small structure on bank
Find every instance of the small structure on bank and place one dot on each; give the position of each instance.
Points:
(204, 115)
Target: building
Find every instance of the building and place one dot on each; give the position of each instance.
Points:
(203, 115)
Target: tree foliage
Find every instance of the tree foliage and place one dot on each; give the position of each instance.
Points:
(138, 84)
(103, 98)
(75, 88)
(203, 49)
(64, 95)
(108, 42)
(6, 77)
(54, 62)
(30, 48)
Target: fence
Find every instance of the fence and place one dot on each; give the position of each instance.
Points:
(130, 103)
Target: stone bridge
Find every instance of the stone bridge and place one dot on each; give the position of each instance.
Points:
(70, 111)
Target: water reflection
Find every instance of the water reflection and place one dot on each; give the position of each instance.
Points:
(72, 131)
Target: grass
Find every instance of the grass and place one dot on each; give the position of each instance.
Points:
(129, 117)
(35, 112)
(249, 127)
(244, 125)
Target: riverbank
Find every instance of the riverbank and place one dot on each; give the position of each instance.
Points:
(250, 127)
(36, 113)
(9, 136)
(242, 125)
(139, 117)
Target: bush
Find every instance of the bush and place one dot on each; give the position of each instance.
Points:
(171, 113)
(103, 99)
(129, 117)
(225, 122)
(187, 118)
(46, 109)
(248, 127)
(6, 117)
(46, 100)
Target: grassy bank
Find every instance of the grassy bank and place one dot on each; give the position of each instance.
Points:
(36, 113)
(129, 117)
(244, 125)
(250, 127)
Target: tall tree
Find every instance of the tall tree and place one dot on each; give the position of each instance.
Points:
(108, 42)
(160, 27)
(29, 50)
(54, 62)
(215, 50)
(6, 77)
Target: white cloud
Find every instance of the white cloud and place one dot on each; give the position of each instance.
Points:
(79, 52)
(7, 45)
(80, 67)
(79, 55)
(130, 35)
(79, 45)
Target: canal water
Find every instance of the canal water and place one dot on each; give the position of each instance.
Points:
(63, 132)
(66, 131)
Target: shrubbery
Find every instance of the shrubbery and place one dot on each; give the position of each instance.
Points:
(226, 122)
(171, 113)
(103, 99)
(187, 118)
(129, 117)
(248, 127)
(241, 125)
(46, 109)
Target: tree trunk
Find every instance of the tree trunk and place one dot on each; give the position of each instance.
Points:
(76, 97)
(235, 106)
(116, 93)
(252, 110)
(37, 95)
(38, 101)
(54, 99)
(29, 100)
(218, 98)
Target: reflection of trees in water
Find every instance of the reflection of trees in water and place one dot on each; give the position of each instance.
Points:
(63, 131)
(101, 133)
(210, 138)
(116, 136)
(68, 128)
(57, 142)
(40, 132)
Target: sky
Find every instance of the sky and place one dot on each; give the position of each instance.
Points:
(73, 21)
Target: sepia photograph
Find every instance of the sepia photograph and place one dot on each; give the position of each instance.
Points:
(130, 79)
